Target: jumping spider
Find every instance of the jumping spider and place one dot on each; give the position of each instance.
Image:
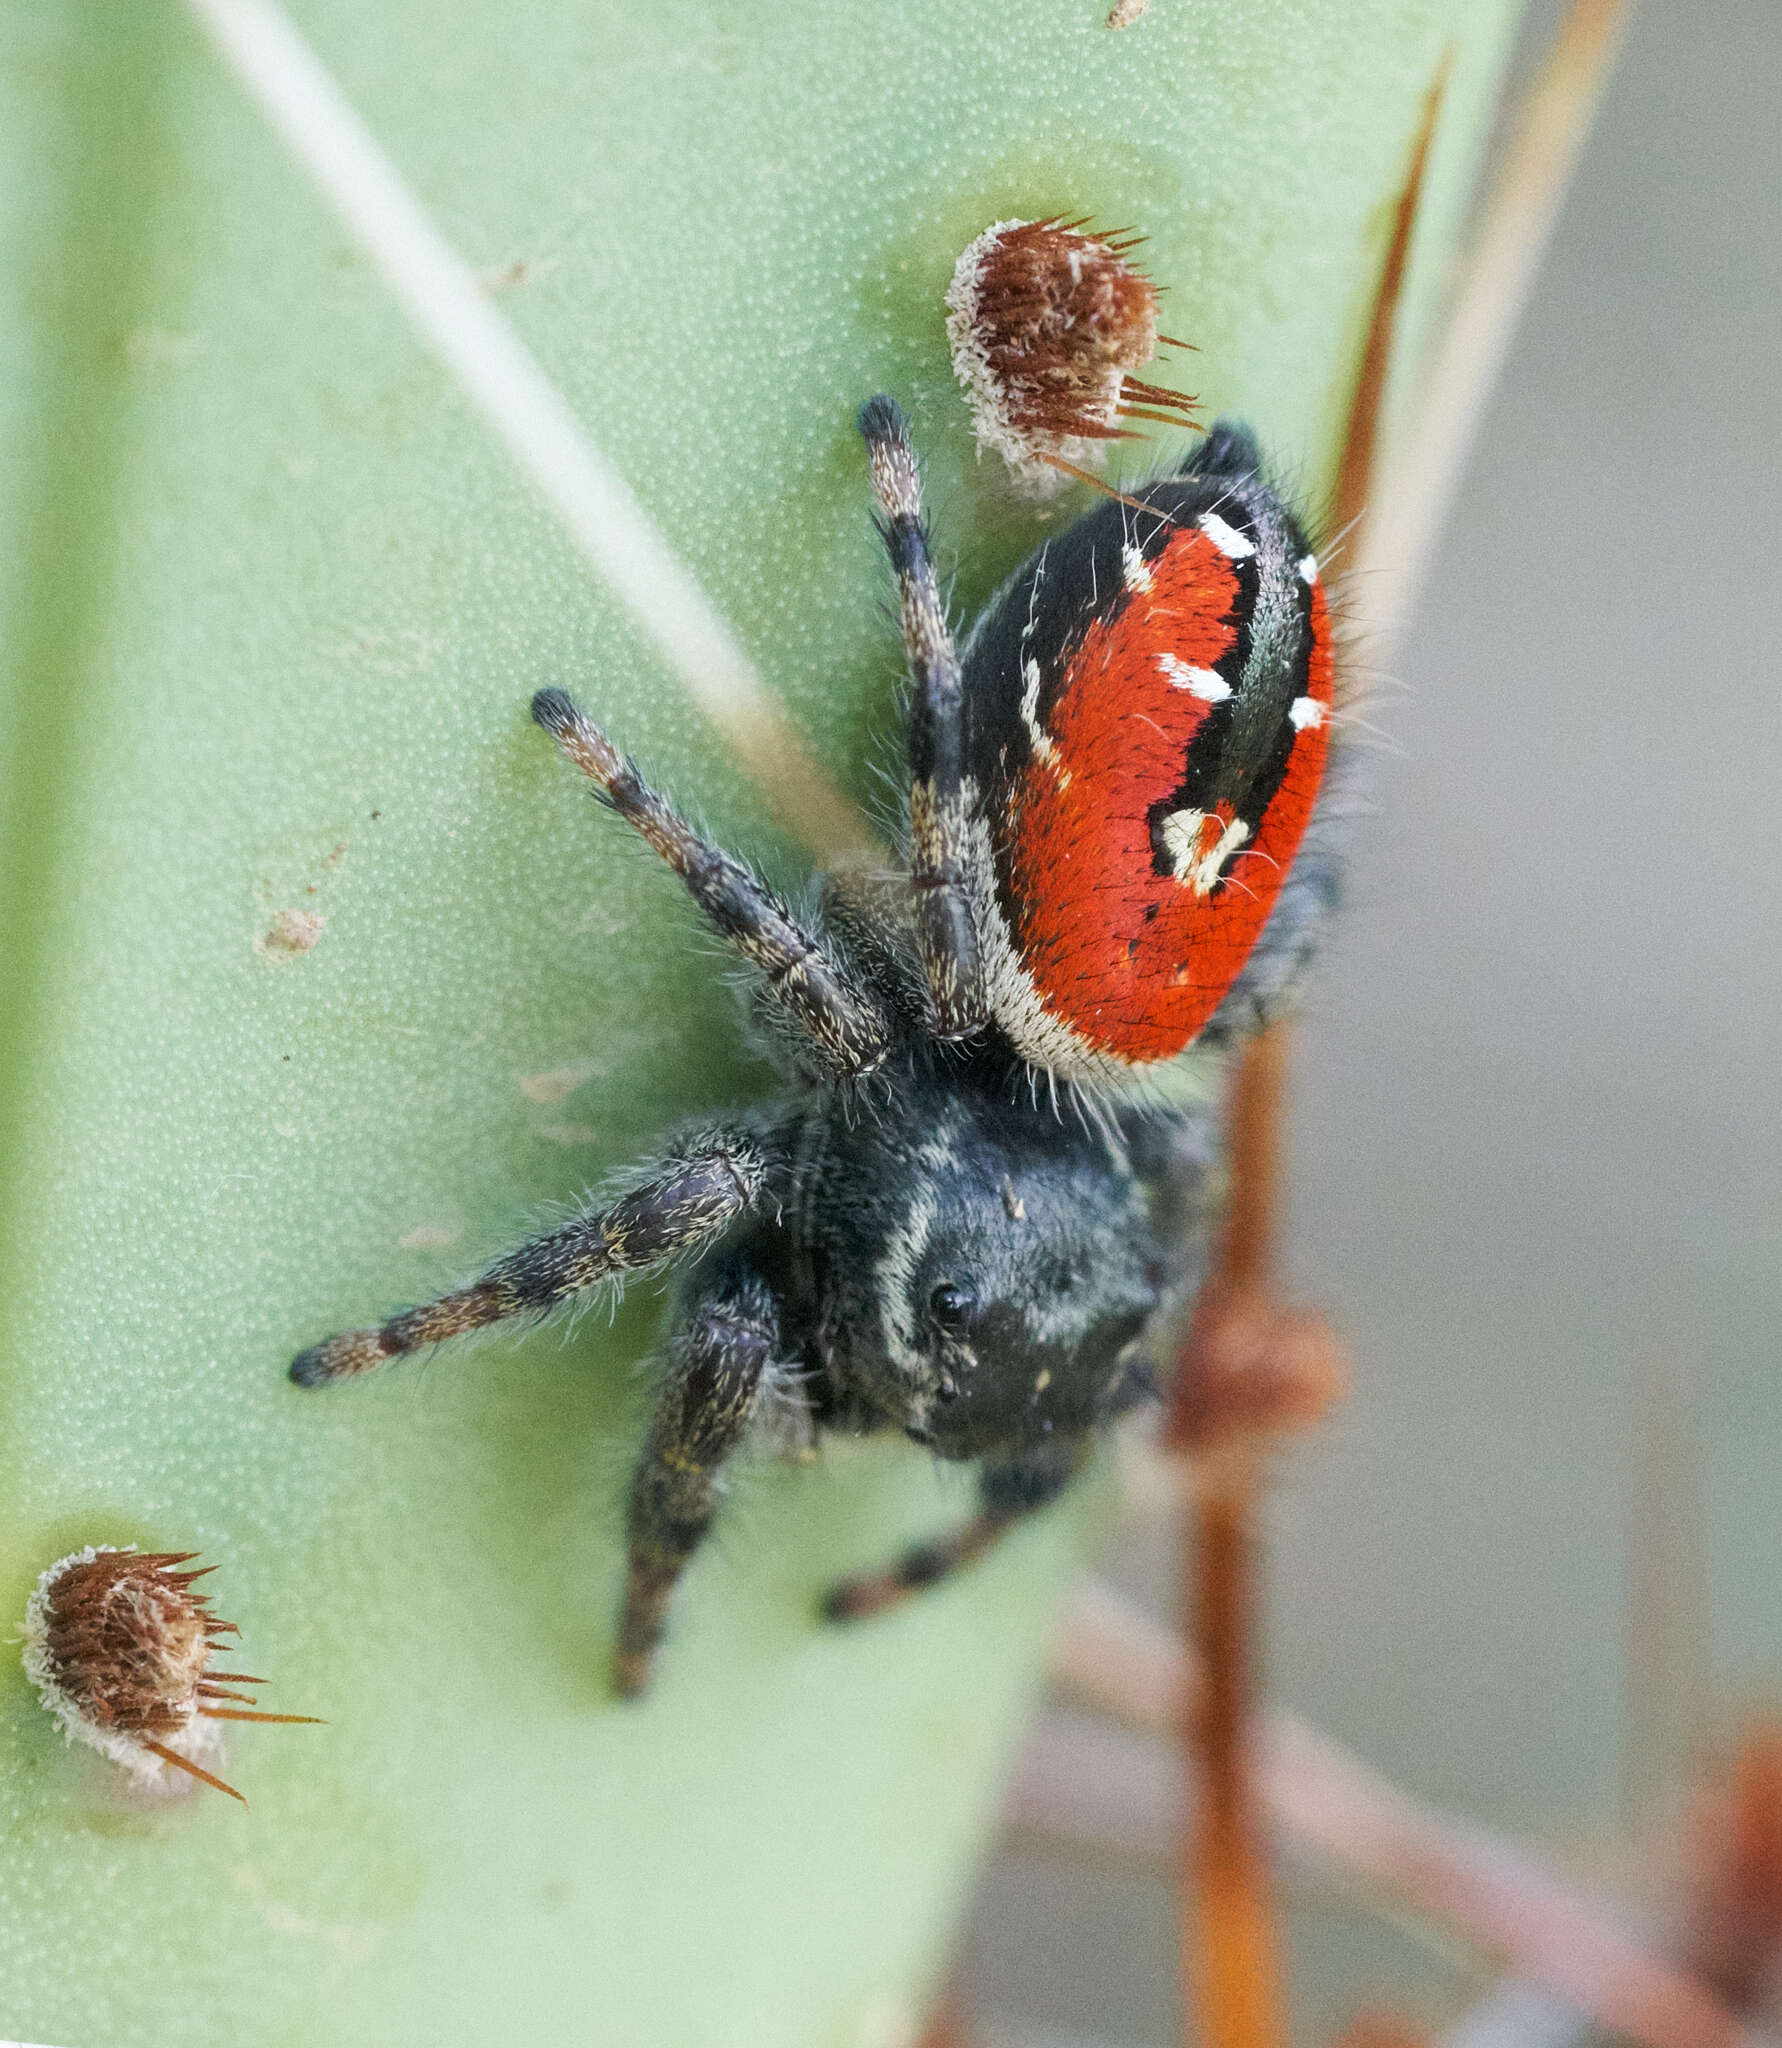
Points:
(1106, 889)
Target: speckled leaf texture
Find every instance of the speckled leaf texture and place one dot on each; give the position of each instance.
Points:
(273, 607)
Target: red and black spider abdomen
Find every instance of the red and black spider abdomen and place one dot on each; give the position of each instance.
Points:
(1148, 707)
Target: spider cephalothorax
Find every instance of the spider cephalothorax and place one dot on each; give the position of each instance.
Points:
(976, 1200)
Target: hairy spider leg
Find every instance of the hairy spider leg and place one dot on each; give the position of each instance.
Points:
(940, 795)
(692, 1197)
(804, 985)
(717, 1361)
(1007, 1494)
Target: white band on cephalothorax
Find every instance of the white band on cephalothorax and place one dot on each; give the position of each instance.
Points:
(895, 1272)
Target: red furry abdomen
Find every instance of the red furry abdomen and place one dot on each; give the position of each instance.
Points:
(1133, 960)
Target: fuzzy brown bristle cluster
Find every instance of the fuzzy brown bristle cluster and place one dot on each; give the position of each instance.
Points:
(1048, 325)
(120, 1647)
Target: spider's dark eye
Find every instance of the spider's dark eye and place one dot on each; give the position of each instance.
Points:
(949, 1306)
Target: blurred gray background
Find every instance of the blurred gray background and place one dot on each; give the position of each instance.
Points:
(1538, 1117)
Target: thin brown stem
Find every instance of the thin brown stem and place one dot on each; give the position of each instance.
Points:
(1256, 1142)
(1230, 1947)
(1356, 471)
(1228, 1933)
(1514, 227)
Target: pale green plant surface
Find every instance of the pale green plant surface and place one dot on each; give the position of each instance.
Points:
(274, 605)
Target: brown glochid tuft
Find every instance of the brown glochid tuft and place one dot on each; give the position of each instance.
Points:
(1047, 325)
(120, 1647)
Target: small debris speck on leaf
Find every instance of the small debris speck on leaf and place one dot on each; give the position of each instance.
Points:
(555, 1084)
(291, 932)
(429, 1237)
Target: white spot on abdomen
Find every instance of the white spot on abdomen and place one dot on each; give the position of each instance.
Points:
(1135, 571)
(1230, 543)
(1192, 860)
(1205, 683)
(1306, 711)
(1308, 568)
(1181, 840)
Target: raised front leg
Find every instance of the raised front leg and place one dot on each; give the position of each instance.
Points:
(1007, 1494)
(840, 1023)
(692, 1197)
(939, 812)
(717, 1362)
